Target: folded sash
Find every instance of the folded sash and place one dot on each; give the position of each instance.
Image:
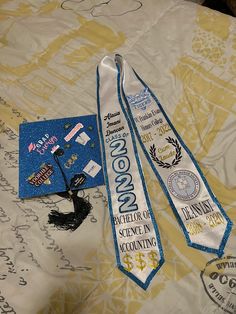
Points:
(129, 111)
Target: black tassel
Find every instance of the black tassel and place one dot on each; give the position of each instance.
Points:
(71, 221)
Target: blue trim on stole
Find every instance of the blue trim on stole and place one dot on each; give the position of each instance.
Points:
(219, 251)
(161, 261)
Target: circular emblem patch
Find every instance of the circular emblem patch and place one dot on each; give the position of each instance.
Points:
(183, 184)
(219, 281)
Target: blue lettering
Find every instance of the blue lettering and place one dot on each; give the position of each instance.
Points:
(128, 200)
(121, 165)
(119, 147)
(125, 183)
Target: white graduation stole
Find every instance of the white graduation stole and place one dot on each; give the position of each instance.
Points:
(127, 107)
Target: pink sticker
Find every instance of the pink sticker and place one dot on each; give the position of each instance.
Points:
(31, 147)
(73, 132)
(54, 149)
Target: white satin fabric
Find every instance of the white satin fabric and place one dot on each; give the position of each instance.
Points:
(127, 104)
(135, 237)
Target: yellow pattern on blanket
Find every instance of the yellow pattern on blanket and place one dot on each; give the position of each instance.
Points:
(49, 51)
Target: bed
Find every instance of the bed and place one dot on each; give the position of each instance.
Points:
(49, 50)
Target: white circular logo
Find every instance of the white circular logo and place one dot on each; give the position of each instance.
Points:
(183, 184)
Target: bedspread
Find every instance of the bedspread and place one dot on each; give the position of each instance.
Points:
(49, 50)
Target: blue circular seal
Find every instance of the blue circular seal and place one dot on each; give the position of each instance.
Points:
(183, 184)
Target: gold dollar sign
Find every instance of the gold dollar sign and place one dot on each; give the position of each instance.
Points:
(126, 260)
(153, 258)
(142, 264)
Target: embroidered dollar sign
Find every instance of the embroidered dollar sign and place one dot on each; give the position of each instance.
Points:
(129, 106)
(134, 228)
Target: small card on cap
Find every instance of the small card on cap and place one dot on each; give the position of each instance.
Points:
(73, 142)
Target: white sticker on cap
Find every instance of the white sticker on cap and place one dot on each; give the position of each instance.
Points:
(92, 168)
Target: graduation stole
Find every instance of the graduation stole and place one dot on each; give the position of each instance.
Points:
(128, 111)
